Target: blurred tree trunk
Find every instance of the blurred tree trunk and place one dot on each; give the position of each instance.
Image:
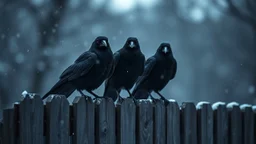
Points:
(48, 36)
(246, 13)
(6, 14)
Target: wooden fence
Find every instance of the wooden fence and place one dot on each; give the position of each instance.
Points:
(103, 122)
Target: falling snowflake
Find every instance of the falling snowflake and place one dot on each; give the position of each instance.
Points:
(18, 35)
(226, 91)
(41, 66)
(2, 36)
(97, 62)
(251, 89)
(162, 76)
(53, 30)
(114, 38)
(19, 58)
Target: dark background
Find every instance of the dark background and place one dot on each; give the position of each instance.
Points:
(214, 43)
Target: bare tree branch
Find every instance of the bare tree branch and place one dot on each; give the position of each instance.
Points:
(48, 36)
(251, 6)
(233, 10)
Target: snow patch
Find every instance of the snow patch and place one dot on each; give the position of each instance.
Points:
(145, 100)
(171, 100)
(243, 106)
(232, 104)
(24, 93)
(200, 104)
(254, 108)
(217, 104)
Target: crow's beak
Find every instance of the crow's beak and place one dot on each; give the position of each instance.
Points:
(165, 50)
(104, 43)
(132, 45)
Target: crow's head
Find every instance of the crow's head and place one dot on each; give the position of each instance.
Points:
(101, 43)
(132, 43)
(165, 49)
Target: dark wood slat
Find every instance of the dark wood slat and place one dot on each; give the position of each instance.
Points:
(1, 132)
(105, 121)
(83, 121)
(159, 122)
(173, 123)
(188, 124)
(204, 123)
(220, 123)
(9, 126)
(144, 122)
(235, 123)
(90, 122)
(247, 124)
(57, 119)
(126, 121)
(31, 112)
(254, 115)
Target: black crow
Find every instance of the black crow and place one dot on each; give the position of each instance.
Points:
(88, 72)
(128, 66)
(158, 71)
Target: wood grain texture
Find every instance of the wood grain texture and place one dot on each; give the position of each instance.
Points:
(31, 118)
(205, 124)
(248, 125)
(144, 122)
(235, 125)
(173, 123)
(220, 125)
(159, 122)
(188, 124)
(9, 126)
(83, 121)
(1, 132)
(57, 119)
(105, 121)
(126, 121)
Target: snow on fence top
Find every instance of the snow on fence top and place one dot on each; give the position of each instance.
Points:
(32, 121)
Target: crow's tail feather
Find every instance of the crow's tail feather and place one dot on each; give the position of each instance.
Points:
(111, 93)
(140, 94)
(61, 88)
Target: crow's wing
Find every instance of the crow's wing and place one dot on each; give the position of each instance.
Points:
(174, 69)
(149, 65)
(116, 58)
(81, 66)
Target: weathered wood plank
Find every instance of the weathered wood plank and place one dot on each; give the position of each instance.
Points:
(188, 123)
(254, 115)
(220, 123)
(247, 124)
(159, 122)
(144, 122)
(126, 121)
(173, 122)
(105, 121)
(235, 123)
(9, 126)
(57, 119)
(31, 118)
(83, 121)
(204, 123)
(1, 132)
